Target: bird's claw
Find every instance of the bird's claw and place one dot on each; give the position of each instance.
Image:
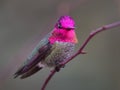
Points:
(58, 67)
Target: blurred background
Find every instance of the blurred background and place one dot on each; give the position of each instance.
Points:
(23, 23)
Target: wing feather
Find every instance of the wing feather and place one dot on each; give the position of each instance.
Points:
(38, 54)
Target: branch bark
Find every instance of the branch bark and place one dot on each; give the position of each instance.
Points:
(80, 51)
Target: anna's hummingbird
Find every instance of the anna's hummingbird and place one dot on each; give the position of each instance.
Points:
(53, 49)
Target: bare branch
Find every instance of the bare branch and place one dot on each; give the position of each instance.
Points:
(48, 79)
(80, 51)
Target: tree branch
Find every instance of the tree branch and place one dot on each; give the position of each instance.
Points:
(80, 51)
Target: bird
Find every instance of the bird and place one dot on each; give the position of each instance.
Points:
(56, 47)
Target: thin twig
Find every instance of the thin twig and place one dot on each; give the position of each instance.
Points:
(48, 79)
(80, 51)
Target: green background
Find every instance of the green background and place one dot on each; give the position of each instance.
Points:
(24, 22)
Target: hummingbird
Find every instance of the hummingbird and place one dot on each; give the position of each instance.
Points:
(56, 47)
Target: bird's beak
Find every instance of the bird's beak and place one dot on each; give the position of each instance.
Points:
(72, 27)
(69, 28)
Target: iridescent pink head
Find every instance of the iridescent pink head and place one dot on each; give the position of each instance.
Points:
(65, 22)
(64, 30)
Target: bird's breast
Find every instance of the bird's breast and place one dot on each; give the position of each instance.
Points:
(60, 52)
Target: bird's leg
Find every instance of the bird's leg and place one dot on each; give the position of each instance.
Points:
(59, 66)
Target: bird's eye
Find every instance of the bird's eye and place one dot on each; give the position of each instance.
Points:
(59, 26)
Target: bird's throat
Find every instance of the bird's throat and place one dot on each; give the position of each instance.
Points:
(63, 36)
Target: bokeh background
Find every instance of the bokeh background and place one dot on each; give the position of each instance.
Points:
(24, 22)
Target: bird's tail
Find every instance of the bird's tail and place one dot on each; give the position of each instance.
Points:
(28, 73)
(31, 72)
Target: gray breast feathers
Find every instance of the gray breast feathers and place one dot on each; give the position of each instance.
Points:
(60, 52)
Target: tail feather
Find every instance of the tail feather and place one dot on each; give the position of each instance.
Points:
(19, 72)
(31, 72)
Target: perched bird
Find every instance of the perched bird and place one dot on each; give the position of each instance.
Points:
(53, 49)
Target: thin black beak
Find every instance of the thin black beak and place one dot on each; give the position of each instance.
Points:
(70, 28)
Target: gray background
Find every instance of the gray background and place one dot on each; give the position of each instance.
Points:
(24, 22)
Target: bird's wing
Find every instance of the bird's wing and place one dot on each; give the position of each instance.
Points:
(38, 54)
